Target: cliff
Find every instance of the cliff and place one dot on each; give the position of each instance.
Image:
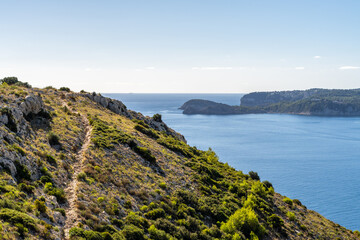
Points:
(82, 166)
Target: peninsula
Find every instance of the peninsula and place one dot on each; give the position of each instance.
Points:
(317, 102)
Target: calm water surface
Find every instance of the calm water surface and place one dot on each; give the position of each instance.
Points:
(314, 159)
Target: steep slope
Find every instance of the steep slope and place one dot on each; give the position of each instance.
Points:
(81, 166)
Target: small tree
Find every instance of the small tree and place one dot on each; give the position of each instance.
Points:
(157, 117)
(10, 80)
(254, 175)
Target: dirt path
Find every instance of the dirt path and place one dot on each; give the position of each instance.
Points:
(70, 209)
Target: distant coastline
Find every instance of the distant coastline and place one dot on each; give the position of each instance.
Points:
(317, 102)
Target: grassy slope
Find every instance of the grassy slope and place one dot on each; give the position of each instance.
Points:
(122, 192)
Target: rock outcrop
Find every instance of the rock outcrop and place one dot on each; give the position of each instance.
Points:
(118, 107)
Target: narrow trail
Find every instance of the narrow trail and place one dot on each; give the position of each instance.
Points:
(70, 190)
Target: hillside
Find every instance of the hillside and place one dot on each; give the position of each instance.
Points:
(82, 166)
(316, 102)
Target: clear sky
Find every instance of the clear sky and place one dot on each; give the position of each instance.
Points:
(224, 46)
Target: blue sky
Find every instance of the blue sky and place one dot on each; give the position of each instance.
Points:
(181, 46)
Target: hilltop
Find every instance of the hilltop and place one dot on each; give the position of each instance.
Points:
(317, 102)
(83, 166)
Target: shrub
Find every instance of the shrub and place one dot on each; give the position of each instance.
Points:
(60, 210)
(254, 175)
(259, 189)
(53, 139)
(21, 229)
(291, 216)
(297, 202)
(65, 89)
(54, 191)
(26, 188)
(149, 132)
(81, 176)
(162, 185)
(157, 234)
(275, 221)
(76, 232)
(118, 236)
(9, 80)
(244, 220)
(288, 201)
(15, 217)
(144, 153)
(22, 172)
(267, 184)
(50, 159)
(157, 117)
(92, 235)
(132, 232)
(156, 213)
(40, 206)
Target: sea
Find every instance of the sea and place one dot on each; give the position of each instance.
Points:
(313, 159)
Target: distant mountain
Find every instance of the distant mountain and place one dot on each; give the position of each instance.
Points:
(319, 102)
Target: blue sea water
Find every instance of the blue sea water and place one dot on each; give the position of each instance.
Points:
(313, 159)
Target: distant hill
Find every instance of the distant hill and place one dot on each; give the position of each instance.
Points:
(82, 166)
(318, 102)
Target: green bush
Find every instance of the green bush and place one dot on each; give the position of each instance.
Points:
(15, 217)
(149, 132)
(297, 202)
(157, 234)
(60, 210)
(76, 232)
(53, 139)
(162, 185)
(81, 176)
(288, 201)
(51, 159)
(254, 175)
(105, 136)
(144, 153)
(156, 213)
(132, 232)
(9, 80)
(157, 117)
(267, 184)
(291, 216)
(65, 89)
(244, 220)
(275, 221)
(26, 188)
(54, 191)
(22, 172)
(40, 206)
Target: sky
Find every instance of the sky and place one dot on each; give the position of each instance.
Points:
(187, 46)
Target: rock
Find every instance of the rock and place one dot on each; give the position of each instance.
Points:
(32, 104)
(4, 119)
(59, 218)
